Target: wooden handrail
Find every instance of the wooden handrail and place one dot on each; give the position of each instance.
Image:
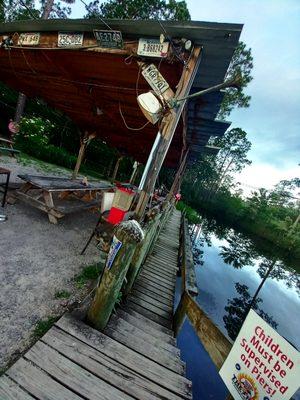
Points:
(214, 341)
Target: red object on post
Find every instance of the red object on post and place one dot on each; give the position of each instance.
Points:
(115, 215)
(121, 204)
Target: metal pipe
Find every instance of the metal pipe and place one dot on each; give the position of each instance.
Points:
(155, 144)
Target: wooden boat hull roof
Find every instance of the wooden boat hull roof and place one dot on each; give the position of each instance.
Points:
(94, 86)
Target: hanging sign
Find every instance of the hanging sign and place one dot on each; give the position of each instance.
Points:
(109, 39)
(69, 39)
(261, 365)
(155, 79)
(29, 39)
(115, 246)
(152, 48)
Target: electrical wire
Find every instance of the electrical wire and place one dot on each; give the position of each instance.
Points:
(127, 126)
(20, 2)
(98, 16)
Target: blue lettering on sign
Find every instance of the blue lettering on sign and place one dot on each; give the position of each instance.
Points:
(116, 244)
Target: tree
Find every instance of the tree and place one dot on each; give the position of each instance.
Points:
(242, 65)
(239, 251)
(12, 11)
(231, 158)
(238, 308)
(139, 9)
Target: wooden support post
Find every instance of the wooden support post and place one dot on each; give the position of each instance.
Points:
(83, 145)
(20, 108)
(49, 203)
(177, 179)
(114, 175)
(167, 130)
(127, 236)
(134, 172)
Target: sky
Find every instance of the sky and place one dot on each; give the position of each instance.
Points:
(272, 31)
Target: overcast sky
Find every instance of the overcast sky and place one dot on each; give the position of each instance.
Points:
(272, 30)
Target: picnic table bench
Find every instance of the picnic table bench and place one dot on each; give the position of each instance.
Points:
(8, 146)
(58, 196)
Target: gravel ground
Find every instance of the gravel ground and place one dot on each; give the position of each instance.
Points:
(37, 259)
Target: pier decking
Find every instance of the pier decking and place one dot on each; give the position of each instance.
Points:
(136, 356)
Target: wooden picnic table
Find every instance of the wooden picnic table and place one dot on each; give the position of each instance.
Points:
(59, 196)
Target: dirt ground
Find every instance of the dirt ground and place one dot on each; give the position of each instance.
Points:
(37, 259)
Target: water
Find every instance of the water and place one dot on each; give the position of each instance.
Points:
(229, 269)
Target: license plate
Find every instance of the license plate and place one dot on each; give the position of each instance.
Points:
(29, 39)
(152, 48)
(109, 39)
(155, 79)
(68, 39)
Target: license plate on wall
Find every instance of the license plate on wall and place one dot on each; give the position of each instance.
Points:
(152, 48)
(29, 39)
(109, 39)
(69, 39)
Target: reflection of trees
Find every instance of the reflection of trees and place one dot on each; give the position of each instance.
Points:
(239, 251)
(280, 272)
(237, 309)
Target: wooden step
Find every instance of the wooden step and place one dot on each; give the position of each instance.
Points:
(167, 282)
(139, 344)
(133, 330)
(167, 379)
(153, 282)
(102, 366)
(145, 291)
(151, 300)
(148, 325)
(150, 314)
(155, 309)
(9, 390)
(141, 286)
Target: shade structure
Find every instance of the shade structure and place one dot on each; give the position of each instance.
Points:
(97, 86)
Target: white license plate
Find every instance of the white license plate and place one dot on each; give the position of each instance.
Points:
(155, 79)
(152, 48)
(29, 39)
(66, 39)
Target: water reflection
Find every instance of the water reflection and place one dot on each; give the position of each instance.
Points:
(240, 251)
(238, 308)
(233, 272)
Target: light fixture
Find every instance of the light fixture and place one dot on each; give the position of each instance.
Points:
(150, 106)
(188, 45)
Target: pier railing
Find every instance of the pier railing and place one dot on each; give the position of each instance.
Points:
(129, 248)
(214, 341)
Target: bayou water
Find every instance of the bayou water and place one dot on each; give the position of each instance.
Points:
(229, 269)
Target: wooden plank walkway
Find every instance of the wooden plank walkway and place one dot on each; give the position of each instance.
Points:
(134, 358)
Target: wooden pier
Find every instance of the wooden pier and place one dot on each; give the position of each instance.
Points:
(136, 356)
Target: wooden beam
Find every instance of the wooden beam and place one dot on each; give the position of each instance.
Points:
(167, 130)
(83, 145)
(114, 175)
(213, 340)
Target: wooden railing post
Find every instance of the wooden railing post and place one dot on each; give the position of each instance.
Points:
(140, 253)
(127, 236)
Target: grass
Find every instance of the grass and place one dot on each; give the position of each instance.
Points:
(43, 326)
(62, 294)
(91, 272)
